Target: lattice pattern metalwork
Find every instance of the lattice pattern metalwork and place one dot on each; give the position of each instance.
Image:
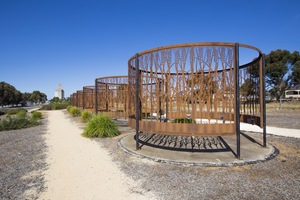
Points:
(191, 90)
(79, 99)
(111, 95)
(88, 97)
(73, 101)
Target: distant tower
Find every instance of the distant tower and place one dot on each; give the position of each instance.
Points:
(59, 92)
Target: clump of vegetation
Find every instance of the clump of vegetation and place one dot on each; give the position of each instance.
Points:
(18, 121)
(86, 116)
(22, 113)
(101, 126)
(15, 111)
(74, 111)
(36, 115)
(183, 120)
(57, 104)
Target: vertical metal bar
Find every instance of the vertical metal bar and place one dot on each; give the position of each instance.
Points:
(77, 100)
(160, 97)
(96, 97)
(237, 101)
(264, 101)
(106, 96)
(83, 95)
(167, 96)
(137, 103)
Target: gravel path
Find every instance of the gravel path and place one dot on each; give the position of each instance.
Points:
(23, 166)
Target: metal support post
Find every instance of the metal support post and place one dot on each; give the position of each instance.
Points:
(137, 103)
(237, 100)
(264, 101)
(96, 97)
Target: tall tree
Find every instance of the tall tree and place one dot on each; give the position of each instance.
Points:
(279, 67)
(9, 95)
(295, 80)
(37, 97)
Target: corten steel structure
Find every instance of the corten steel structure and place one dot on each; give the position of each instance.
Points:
(79, 99)
(111, 96)
(200, 85)
(88, 97)
(73, 99)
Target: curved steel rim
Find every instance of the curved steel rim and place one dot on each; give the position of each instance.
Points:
(207, 44)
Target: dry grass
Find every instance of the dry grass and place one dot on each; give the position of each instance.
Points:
(293, 105)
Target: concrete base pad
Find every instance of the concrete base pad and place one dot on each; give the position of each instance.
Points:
(252, 152)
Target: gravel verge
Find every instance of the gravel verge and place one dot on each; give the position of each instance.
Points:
(284, 118)
(278, 178)
(22, 161)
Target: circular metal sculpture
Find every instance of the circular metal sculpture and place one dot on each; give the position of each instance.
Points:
(88, 97)
(111, 96)
(79, 98)
(195, 89)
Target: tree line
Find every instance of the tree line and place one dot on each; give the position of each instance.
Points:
(9, 95)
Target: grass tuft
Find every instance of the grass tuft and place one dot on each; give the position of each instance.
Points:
(35, 115)
(15, 111)
(100, 126)
(86, 116)
(74, 111)
(17, 122)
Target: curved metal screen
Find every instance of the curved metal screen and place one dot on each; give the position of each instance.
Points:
(193, 89)
(111, 95)
(88, 97)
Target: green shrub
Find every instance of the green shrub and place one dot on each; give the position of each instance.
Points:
(86, 116)
(12, 123)
(55, 106)
(36, 115)
(22, 113)
(46, 107)
(75, 112)
(100, 126)
(15, 111)
(69, 108)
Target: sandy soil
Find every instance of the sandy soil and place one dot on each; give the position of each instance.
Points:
(81, 169)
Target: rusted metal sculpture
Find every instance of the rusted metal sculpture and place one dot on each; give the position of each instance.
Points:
(79, 99)
(88, 97)
(112, 96)
(196, 89)
(72, 100)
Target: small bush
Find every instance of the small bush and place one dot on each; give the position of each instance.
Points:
(46, 107)
(86, 116)
(55, 106)
(15, 111)
(36, 115)
(69, 108)
(100, 126)
(75, 112)
(12, 123)
(22, 113)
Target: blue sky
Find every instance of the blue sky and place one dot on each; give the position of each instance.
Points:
(72, 42)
